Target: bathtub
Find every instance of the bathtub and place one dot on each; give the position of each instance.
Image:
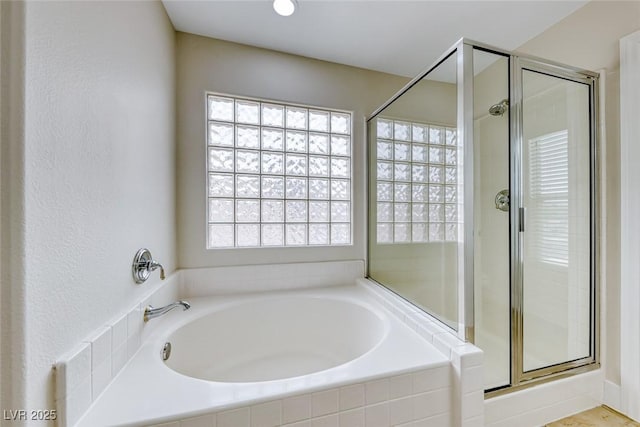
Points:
(239, 351)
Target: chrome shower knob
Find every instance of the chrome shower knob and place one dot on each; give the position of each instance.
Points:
(143, 265)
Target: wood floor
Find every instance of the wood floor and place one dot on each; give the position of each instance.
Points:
(600, 416)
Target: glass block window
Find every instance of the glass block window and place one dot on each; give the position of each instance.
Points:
(419, 183)
(278, 175)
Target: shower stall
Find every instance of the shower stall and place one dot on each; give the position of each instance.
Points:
(482, 206)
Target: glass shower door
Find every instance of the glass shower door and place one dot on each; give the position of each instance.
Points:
(555, 221)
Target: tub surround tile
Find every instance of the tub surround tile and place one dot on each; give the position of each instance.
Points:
(134, 329)
(466, 382)
(73, 371)
(205, 421)
(401, 410)
(432, 408)
(267, 414)
(305, 423)
(376, 391)
(76, 403)
(431, 379)
(101, 348)
(324, 402)
(437, 421)
(400, 386)
(296, 408)
(119, 332)
(351, 397)
(432, 403)
(377, 415)
(327, 421)
(352, 418)
(445, 342)
(84, 373)
(472, 380)
(234, 418)
(100, 377)
(198, 282)
(473, 406)
(119, 358)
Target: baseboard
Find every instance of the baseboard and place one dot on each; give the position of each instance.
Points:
(612, 395)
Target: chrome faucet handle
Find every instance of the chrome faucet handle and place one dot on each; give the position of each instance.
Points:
(143, 265)
(153, 265)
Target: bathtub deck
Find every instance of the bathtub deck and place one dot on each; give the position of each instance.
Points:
(148, 392)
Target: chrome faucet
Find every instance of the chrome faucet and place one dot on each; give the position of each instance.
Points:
(151, 313)
(143, 265)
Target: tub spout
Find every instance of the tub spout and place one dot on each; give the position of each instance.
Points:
(152, 313)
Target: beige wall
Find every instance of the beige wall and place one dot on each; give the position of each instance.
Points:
(589, 38)
(205, 64)
(98, 171)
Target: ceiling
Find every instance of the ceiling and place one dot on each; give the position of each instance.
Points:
(394, 36)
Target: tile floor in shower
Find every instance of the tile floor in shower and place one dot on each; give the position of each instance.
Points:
(600, 416)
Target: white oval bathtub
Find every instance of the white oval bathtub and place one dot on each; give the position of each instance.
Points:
(231, 351)
(273, 339)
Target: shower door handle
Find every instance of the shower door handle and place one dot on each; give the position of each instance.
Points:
(502, 200)
(522, 213)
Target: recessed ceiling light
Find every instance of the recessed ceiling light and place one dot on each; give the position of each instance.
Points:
(284, 7)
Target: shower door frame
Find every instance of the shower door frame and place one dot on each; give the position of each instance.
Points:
(520, 378)
(463, 49)
(517, 63)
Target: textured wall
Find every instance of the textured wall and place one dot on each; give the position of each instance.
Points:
(99, 169)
